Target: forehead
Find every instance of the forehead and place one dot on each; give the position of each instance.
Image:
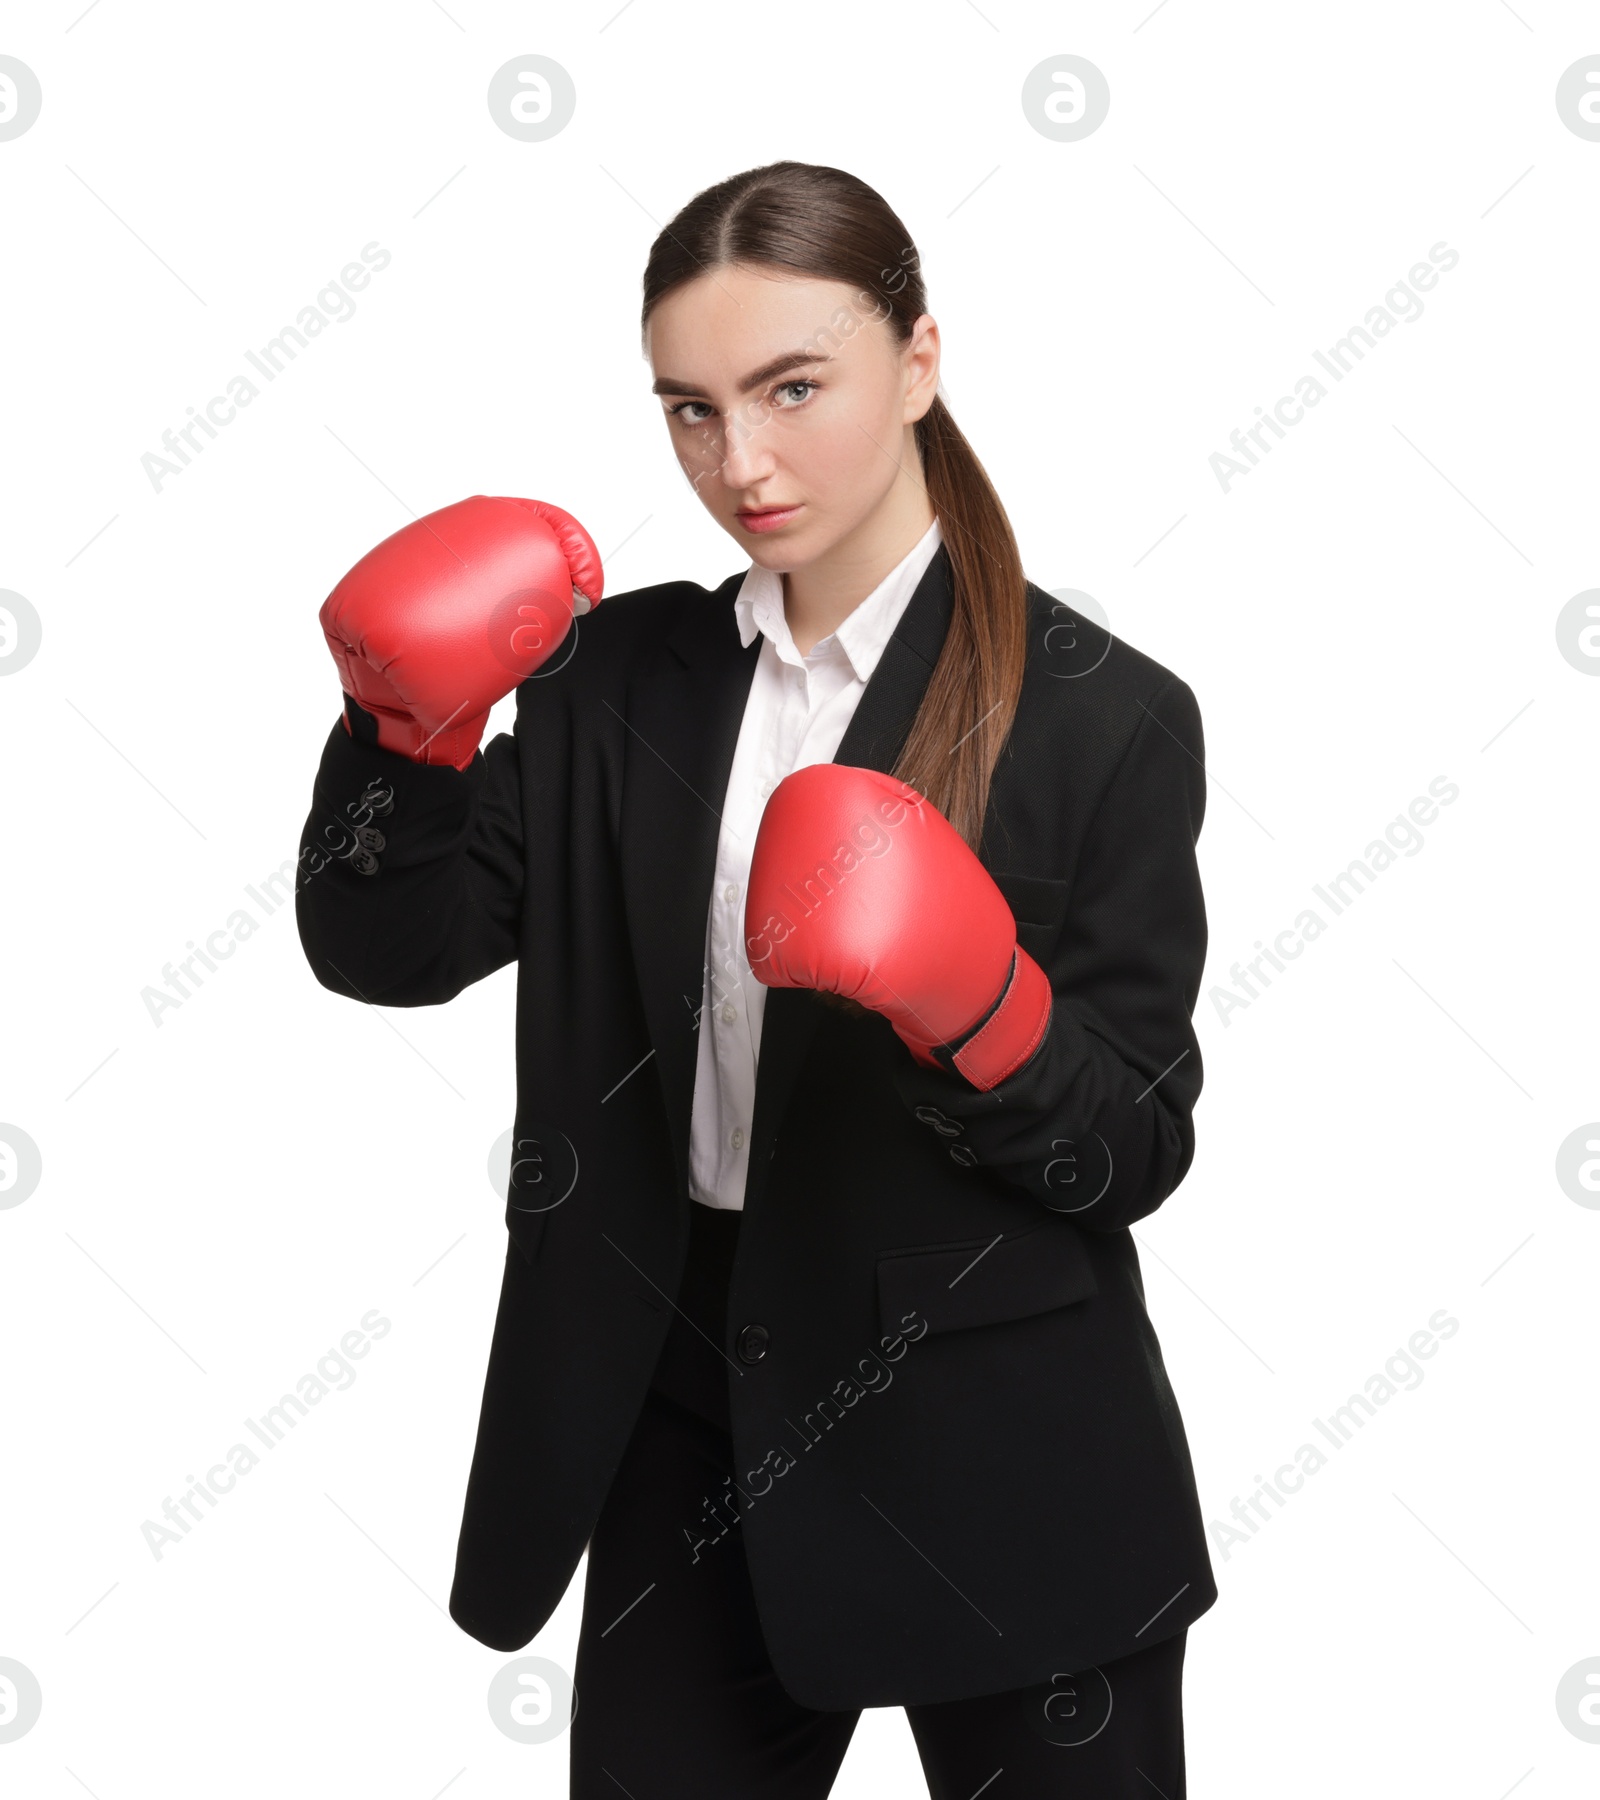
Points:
(727, 322)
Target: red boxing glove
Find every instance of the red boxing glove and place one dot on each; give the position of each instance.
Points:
(860, 886)
(446, 617)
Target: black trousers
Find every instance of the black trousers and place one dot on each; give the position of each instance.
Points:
(676, 1697)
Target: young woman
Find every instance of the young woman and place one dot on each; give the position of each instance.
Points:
(858, 932)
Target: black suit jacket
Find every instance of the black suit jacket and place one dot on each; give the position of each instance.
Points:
(961, 1463)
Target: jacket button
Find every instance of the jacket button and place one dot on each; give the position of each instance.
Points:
(931, 1115)
(752, 1343)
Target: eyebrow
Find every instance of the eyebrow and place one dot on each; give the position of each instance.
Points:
(795, 359)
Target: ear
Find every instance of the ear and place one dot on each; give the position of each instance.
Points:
(921, 354)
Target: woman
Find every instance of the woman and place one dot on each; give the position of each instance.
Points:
(858, 932)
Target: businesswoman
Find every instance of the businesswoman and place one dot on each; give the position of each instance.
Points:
(858, 931)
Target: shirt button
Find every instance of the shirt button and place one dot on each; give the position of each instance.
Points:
(752, 1343)
(737, 1137)
(731, 892)
(728, 1015)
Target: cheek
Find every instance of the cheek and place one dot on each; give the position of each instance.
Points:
(850, 452)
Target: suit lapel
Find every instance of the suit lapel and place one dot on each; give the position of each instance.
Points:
(684, 716)
(873, 739)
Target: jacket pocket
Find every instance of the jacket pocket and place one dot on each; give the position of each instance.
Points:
(1033, 899)
(1038, 904)
(986, 1281)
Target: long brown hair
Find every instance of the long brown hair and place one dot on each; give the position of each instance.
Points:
(827, 224)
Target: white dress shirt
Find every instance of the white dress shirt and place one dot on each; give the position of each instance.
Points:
(796, 714)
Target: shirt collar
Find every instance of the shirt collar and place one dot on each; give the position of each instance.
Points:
(863, 632)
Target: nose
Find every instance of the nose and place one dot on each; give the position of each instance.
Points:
(746, 455)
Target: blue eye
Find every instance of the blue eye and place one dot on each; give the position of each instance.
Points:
(809, 387)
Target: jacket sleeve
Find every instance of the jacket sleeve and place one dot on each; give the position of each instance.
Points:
(438, 905)
(1098, 1124)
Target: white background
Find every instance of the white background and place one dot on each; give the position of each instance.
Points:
(226, 1193)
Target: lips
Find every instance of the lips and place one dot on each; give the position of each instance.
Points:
(766, 518)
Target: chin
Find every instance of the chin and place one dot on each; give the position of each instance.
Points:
(779, 552)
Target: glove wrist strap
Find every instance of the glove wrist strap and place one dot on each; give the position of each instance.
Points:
(1009, 1034)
